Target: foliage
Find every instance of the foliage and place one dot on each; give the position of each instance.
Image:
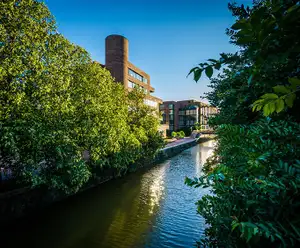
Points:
(181, 134)
(271, 102)
(56, 105)
(174, 134)
(186, 130)
(197, 126)
(178, 135)
(254, 174)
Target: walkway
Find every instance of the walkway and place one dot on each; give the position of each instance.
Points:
(180, 141)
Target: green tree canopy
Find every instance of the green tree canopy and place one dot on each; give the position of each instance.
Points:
(56, 105)
(254, 174)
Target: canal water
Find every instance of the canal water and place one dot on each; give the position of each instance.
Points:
(150, 208)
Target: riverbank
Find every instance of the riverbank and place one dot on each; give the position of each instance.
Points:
(19, 202)
(150, 208)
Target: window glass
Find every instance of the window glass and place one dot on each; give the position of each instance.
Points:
(171, 117)
(137, 76)
(171, 106)
(131, 84)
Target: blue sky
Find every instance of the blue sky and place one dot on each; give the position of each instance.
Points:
(166, 38)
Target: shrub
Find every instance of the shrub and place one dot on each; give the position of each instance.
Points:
(181, 134)
(174, 134)
(254, 174)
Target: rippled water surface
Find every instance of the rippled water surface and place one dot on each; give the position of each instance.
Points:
(152, 208)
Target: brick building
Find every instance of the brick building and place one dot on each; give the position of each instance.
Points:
(116, 61)
(179, 115)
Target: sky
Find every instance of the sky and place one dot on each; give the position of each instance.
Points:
(166, 38)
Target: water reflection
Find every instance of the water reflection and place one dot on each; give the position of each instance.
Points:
(150, 208)
(155, 183)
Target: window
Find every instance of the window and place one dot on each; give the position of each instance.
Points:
(150, 103)
(131, 73)
(181, 112)
(171, 111)
(161, 106)
(171, 122)
(131, 84)
(137, 76)
(164, 121)
(134, 85)
(171, 128)
(171, 117)
(171, 106)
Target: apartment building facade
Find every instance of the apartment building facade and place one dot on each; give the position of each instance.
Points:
(125, 72)
(179, 115)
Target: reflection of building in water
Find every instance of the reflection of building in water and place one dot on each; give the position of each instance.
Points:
(203, 153)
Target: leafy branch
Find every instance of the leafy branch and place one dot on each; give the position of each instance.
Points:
(272, 102)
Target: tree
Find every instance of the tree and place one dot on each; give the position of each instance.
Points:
(254, 174)
(56, 105)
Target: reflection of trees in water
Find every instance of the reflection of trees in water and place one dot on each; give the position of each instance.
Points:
(119, 211)
(132, 218)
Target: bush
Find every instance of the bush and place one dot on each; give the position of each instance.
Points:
(254, 174)
(181, 134)
(174, 134)
(187, 131)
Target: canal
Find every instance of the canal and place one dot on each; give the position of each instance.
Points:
(150, 208)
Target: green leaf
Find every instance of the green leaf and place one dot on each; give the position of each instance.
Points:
(281, 89)
(270, 96)
(266, 110)
(294, 82)
(209, 71)
(217, 66)
(272, 107)
(192, 70)
(289, 100)
(279, 105)
(293, 8)
(295, 229)
(250, 79)
(234, 226)
(197, 74)
(213, 60)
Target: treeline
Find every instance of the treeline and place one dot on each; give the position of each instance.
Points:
(255, 171)
(63, 116)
